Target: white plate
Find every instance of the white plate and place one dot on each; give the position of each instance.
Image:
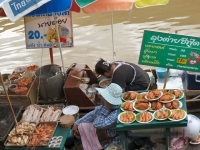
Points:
(154, 114)
(144, 122)
(124, 109)
(180, 105)
(125, 122)
(129, 100)
(195, 143)
(180, 119)
(71, 110)
(138, 110)
(181, 96)
(83, 86)
(161, 93)
(168, 101)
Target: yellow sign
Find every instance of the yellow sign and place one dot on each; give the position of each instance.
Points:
(181, 61)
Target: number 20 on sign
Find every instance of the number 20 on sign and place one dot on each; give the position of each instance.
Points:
(181, 61)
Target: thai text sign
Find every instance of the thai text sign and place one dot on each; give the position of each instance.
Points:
(170, 51)
(41, 31)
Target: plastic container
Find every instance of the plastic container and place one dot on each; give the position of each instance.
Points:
(161, 72)
(192, 80)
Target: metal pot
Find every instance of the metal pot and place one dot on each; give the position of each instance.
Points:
(51, 81)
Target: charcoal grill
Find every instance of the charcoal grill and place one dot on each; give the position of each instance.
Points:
(7, 119)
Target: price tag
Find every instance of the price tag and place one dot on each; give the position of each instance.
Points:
(181, 61)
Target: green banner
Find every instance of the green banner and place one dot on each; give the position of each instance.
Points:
(170, 51)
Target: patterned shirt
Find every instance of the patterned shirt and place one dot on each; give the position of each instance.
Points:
(102, 119)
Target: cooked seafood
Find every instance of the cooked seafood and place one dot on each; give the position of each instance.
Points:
(126, 95)
(145, 117)
(178, 93)
(141, 96)
(127, 117)
(20, 134)
(128, 106)
(150, 95)
(133, 95)
(155, 105)
(141, 105)
(162, 114)
(166, 97)
(172, 105)
(177, 114)
(156, 93)
(42, 134)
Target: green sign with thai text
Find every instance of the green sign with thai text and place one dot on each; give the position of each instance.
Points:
(170, 51)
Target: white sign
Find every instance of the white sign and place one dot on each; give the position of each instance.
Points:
(40, 31)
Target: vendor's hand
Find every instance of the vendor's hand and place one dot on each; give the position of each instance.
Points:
(108, 105)
(74, 129)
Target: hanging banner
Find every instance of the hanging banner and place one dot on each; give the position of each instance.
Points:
(170, 51)
(40, 31)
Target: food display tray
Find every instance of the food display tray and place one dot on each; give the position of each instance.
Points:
(14, 145)
(50, 122)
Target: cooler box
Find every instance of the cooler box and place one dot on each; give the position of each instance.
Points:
(192, 80)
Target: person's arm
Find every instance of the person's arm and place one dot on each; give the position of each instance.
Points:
(105, 118)
(89, 117)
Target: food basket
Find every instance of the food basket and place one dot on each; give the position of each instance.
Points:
(41, 135)
(66, 120)
(20, 134)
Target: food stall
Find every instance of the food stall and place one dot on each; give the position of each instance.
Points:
(39, 128)
(149, 113)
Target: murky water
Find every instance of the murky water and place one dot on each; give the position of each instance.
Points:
(93, 36)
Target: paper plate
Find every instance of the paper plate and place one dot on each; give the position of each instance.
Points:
(180, 105)
(154, 99)
(128, 99)
(182, 95)
(138, 115)
(185, 115)
(125, 109)
(141, 110)
(195, 142)
(125, 113)
(169, 114)
(72, 109)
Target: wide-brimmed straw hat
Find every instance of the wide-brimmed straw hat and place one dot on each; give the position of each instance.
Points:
(112, 93)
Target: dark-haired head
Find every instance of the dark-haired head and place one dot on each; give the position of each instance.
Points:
(102, 66)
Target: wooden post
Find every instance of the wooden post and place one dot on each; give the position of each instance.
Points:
(2, 82)
(166, 77)
(51, 55)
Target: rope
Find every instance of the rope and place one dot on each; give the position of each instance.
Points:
(113, 45)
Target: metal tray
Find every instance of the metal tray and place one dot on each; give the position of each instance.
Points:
(50, 122)
(14, 145)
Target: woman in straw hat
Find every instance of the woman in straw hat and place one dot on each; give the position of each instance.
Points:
(102, 117)
(127, 75)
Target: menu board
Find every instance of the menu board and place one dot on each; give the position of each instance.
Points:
(170, 51)
(41, 30)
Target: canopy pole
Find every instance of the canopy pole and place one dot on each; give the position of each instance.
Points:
(51, 55)
(113, 46)
(2, 82)
(59, 43)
